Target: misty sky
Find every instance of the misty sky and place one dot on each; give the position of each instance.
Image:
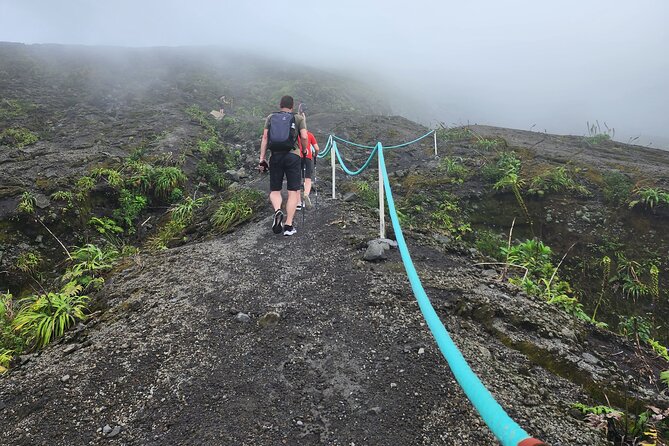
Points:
(552, 64)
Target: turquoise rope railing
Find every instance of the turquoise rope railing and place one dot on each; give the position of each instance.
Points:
(507, 431)
(343, 165)
(410, 142)
(332, 145)
(362, 146)
(326, 151)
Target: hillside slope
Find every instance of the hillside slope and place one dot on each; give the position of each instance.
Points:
(349, 359)
(204, 337)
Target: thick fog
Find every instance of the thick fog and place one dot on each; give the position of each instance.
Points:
(550, 65)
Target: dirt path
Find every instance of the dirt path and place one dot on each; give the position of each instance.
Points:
(348, 361)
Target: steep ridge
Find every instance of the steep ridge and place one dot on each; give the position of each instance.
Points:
(347, 361)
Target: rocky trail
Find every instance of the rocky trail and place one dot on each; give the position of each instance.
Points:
(255, 339)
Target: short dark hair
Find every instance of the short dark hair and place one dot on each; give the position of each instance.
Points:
(286, 102)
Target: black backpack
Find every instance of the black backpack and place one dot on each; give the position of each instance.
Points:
(282, 132)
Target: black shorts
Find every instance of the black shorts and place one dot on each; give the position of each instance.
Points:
(288, 164)
(308, 168)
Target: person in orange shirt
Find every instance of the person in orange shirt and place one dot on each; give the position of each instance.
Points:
(308, 160)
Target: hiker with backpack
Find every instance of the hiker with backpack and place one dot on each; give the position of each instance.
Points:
(280, 136)
(308, 162)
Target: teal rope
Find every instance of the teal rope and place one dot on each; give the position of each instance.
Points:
(502, 426)
(410, 142)
(326, 151)
(362, 146)
(346, 169)
(352, 143)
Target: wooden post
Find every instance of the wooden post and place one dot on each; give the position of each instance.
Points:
(333, 163)
(382, 210)
(435, 143)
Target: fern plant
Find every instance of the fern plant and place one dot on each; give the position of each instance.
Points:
(454, 168)
(650, 197)
(27, 203)
(556, 180)
(131, 206)
(236, 210)
(29, 262)
(168, 232)
(112, 176)
(6, 357)
(664, 377)
(597, 410)
(513, 181)
(83, 187)
(45, 317)
(65, 196)
(105, 225)
(140, 174)
(89, 262)
(184, 212)
(166, 179)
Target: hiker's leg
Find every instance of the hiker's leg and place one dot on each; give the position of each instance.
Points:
(291, 204)
(292, 167)
(276, 199)
(308, 172)
(275, 180)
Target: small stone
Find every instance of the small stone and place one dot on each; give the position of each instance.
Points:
(386, 242)
(532, 400)
(65, 378)
(106, 430)
(232, 175)
(485, 353)
(589, 358)
(374, 252)
(374, 410)
(350, 197)
(490, 273)
(393, 385)
(70, 348)
(379, 241)
(42, 201)
(569, 334)
(269, 319)
(114, 432)
(441, 238)
(242, 317)
(39, 238)
(421, 351)
(299, 423)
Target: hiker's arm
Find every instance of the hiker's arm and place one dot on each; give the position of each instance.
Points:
(305, 138)
(316, 148)
(263, 146)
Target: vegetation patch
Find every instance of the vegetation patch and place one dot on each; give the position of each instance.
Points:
(556, 180)
(17, 137)
(238, 208)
